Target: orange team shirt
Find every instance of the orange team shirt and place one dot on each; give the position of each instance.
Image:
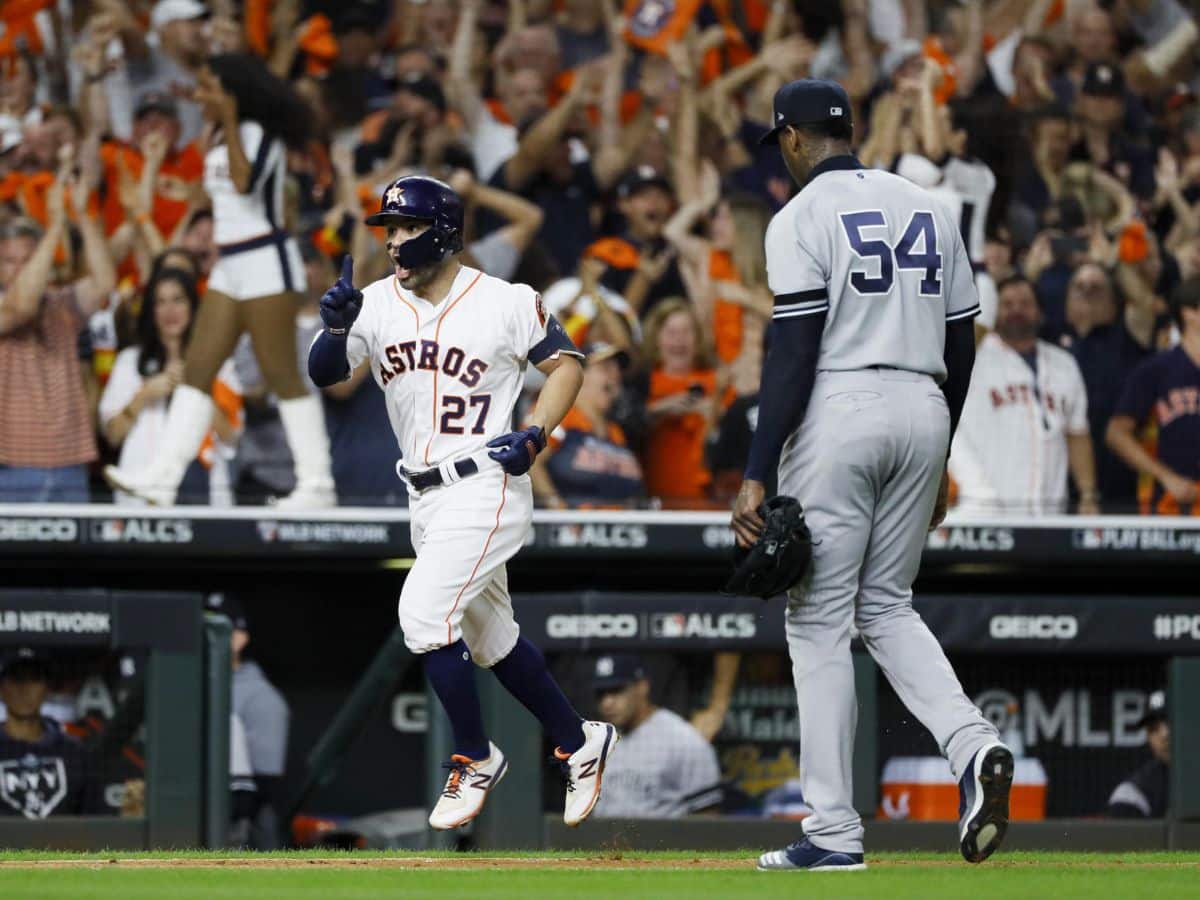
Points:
(727, 316)
(653, 26)
(30, 191)
(20, 32)
(171, 193)
(674, 466)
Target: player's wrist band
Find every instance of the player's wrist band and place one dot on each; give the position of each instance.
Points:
(336, 332)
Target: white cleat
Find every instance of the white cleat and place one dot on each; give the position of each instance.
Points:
(148, 489)
(467, 788)
(584, 769)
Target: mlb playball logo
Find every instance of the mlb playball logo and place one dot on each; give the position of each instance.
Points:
(111, 530)
(669, 625)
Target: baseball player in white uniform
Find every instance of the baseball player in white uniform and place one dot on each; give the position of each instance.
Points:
(449, 345)
(871, 352)
(1025, 421)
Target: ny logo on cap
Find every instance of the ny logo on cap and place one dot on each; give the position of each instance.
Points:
(394, 194)
(835, 110)
(604, 667)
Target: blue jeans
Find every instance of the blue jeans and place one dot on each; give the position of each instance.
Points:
(30, 484)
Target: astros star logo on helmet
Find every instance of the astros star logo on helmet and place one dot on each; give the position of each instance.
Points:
(394, 194)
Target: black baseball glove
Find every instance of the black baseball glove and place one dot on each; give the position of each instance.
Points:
(779, 558)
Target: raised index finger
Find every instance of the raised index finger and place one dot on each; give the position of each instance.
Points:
(348, 269)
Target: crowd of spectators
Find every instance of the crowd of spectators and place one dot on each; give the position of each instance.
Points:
(608, 155)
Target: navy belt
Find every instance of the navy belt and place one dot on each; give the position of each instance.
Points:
(431, 478)
(270, 239)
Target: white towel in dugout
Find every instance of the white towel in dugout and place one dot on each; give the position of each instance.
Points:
(1010, 451)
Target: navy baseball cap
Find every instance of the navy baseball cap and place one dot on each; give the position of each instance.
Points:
(1156, 709)
(808, 101)
(25, 664)
(420, 85)
(157, 101)
(615, 670)
(229, 606)
(641, 177)
(1103, 80)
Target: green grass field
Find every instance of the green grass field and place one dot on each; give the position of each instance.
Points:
(689, 876)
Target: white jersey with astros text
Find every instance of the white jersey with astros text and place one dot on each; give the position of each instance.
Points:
(451, 372)
(1010, 450)
(882, 258)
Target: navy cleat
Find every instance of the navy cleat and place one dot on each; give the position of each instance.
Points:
(983, 802)
(805, 856)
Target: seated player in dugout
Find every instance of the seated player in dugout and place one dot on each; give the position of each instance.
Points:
(43, 772)
(666, 768)
(1144, 793)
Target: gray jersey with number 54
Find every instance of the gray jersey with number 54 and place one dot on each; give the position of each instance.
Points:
(882, 257)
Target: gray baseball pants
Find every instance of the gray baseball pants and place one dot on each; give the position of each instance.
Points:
(866, 464)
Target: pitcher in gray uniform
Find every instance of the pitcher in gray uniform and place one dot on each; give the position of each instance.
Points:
(871, 352)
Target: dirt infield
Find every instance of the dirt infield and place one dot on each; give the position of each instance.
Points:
(529, 863)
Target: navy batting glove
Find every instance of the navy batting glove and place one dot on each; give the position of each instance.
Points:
(517, 450)
(341, 304)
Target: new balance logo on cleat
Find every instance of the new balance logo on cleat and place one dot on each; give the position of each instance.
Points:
(467, 787)
(586, 763)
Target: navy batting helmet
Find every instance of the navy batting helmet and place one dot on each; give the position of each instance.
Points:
(429, 200)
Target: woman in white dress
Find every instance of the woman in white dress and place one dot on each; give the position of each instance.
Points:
(253, 119)
(133, 407)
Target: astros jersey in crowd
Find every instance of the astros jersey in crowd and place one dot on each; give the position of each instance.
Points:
(1164, 391)
(590, 470)
(1010, 452)
(855, 238)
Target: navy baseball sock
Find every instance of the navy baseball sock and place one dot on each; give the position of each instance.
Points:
(452, 674)
(524, 675)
